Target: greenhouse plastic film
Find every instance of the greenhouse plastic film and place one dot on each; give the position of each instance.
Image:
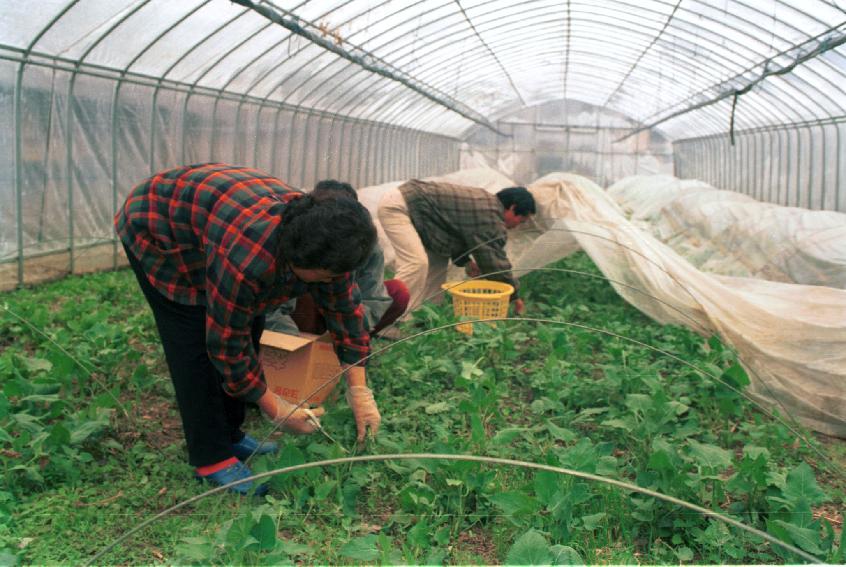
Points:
(732, 234)
(791, 338)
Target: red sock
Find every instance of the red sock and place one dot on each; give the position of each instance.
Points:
(211, 469)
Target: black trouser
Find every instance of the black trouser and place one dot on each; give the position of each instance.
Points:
(211, 419)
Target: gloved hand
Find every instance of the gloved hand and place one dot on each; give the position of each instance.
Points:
(360, 399)
(472, 269)
(302, 421)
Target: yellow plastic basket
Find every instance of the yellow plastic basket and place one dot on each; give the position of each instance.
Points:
(478, 299)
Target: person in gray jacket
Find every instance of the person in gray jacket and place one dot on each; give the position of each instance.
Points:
(383, 301)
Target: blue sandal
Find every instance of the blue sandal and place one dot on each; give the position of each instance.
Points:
(247, 446)
(232, 473)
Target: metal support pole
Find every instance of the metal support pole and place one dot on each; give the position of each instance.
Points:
(400, 148)
(321, 152)
(736, 175)
(274, 148)
(115, 101)
(309, 149)
(823, 174)
(789, 174)
(713, 161)
(759, 166)
(377, 142)
(404, 156)
(418, 156)
(774, 166)
(706, 160)
(19, 136)
(384, 144)
(726, 151)
(378, 146)
(811, 165)
(19, 172)
(343, 152)
(258, 126)
(840, 162)
(294, 117)
(743, 165)
(354, 152)
(797, 199)
(333, 151)
(362, 178)
(69, 170)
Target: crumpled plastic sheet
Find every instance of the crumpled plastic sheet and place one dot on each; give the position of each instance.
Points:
(791, 338)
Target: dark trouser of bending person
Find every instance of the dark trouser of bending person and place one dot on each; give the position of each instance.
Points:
(211, 420)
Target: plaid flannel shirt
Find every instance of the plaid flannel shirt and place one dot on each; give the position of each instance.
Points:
(461, 222)
(209, 235)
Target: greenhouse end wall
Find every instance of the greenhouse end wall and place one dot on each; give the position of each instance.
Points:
(568, 136)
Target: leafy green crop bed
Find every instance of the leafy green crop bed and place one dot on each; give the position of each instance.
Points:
(91, 445)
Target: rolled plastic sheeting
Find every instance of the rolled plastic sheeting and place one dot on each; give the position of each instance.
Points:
(728, 233)
(790, 338)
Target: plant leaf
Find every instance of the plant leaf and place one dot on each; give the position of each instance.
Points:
(530, 548)
(514, 503)
(591, 521)
(292, 548)
(265, 532)
(620, 423)
(736, 376)
(507, 435)
(802, 486)
(805, 538)
(196, 548)
(565, 555)
(684, 553)
(546, 485)
(361, 548)
(560, 433)
(709, 456)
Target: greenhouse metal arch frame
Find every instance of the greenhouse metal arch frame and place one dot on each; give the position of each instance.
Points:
(82, 75)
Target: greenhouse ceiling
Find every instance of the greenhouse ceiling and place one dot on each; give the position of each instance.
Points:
(445, 65)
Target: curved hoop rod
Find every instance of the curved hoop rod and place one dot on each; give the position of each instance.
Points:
(467, 458)
(701, 371)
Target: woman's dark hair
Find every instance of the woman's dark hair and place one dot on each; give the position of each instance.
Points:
(330, 234)
(331, 189)
(519, 196)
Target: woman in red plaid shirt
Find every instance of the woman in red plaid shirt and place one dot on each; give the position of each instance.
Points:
(214, 247)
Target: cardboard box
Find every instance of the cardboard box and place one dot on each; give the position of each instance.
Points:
(296, 366)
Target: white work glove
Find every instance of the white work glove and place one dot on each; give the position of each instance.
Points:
(360, 399)
(302, 421)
